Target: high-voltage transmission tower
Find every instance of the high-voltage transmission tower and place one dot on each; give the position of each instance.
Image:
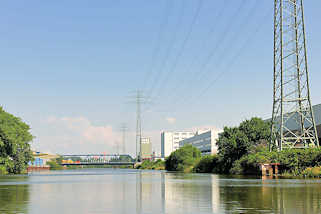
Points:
(139, 99)
(293, 124)
(124, 129)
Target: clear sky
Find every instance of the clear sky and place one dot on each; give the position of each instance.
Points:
(69, 67)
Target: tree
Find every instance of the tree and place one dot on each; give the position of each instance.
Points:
(182, 159)
(235, 142)
(15, 136)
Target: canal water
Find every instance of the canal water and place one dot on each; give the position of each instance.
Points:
(133, 191)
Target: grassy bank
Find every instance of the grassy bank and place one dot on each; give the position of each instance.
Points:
(148, 164)
(293, 163)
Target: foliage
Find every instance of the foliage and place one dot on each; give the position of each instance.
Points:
(3, 170)
(59, 160)
(15, 136)
(312, 172)
(235, 142)
(148, 164)
(207, 164)
(182, 159)
(242, 149)
(54, 165)
(299, 159)
(292, 161)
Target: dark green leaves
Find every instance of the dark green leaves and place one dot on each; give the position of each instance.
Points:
(15, 150)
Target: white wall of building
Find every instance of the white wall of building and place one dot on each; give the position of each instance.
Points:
(204, 141)
(170, 141)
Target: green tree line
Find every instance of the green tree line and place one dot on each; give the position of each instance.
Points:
(241, 150)
(15, 138)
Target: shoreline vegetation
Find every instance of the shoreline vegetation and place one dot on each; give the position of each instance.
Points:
(241, 151)
(152, 165)
(15, 151)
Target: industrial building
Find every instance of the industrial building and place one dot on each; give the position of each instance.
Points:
(170, 141)
(205, 141)
(146, 148)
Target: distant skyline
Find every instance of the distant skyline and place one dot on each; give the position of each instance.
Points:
(68, 67)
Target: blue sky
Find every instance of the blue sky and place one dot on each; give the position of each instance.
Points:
(68, 67)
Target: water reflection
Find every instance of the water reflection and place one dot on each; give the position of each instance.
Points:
(274, 196)
(131, 191)
(191, 193)
(13, 198)
(149, 192)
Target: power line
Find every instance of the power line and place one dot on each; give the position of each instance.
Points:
(168, 50)
(182, 48)
(232, 61)
(156, 49)
(203, 46)
(213, 51)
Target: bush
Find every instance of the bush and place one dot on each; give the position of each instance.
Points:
(3, 170)
(54, 165)
(183, 159)
(312, 172)
(148, 164)
(207, 164)
(292, 161)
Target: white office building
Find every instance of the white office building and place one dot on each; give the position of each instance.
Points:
(170, 141)
(205, 141)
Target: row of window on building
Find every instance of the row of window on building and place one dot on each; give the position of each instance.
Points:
(205, 141)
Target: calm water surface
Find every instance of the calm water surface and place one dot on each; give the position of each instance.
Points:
(132, 191)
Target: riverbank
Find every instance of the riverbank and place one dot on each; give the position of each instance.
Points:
(153, 165)
(302, 163)
(244, 150)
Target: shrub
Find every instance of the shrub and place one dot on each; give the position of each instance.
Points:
(182, 159)
(312, 172)
(148, 164)
(54, 165)
(297, 160)
(3, 170)
(292, 161)
(207, 164)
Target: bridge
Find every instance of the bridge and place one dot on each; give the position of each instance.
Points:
(97, 159)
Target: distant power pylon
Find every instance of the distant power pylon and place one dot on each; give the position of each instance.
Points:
(139, 100)
(293, 124)
(117, 147)
(124, 129)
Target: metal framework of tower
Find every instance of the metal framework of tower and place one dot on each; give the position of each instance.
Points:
(293, 124)
(124, 129)
(139, 99)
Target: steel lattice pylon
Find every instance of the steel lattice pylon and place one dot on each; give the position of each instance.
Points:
(293, 124)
